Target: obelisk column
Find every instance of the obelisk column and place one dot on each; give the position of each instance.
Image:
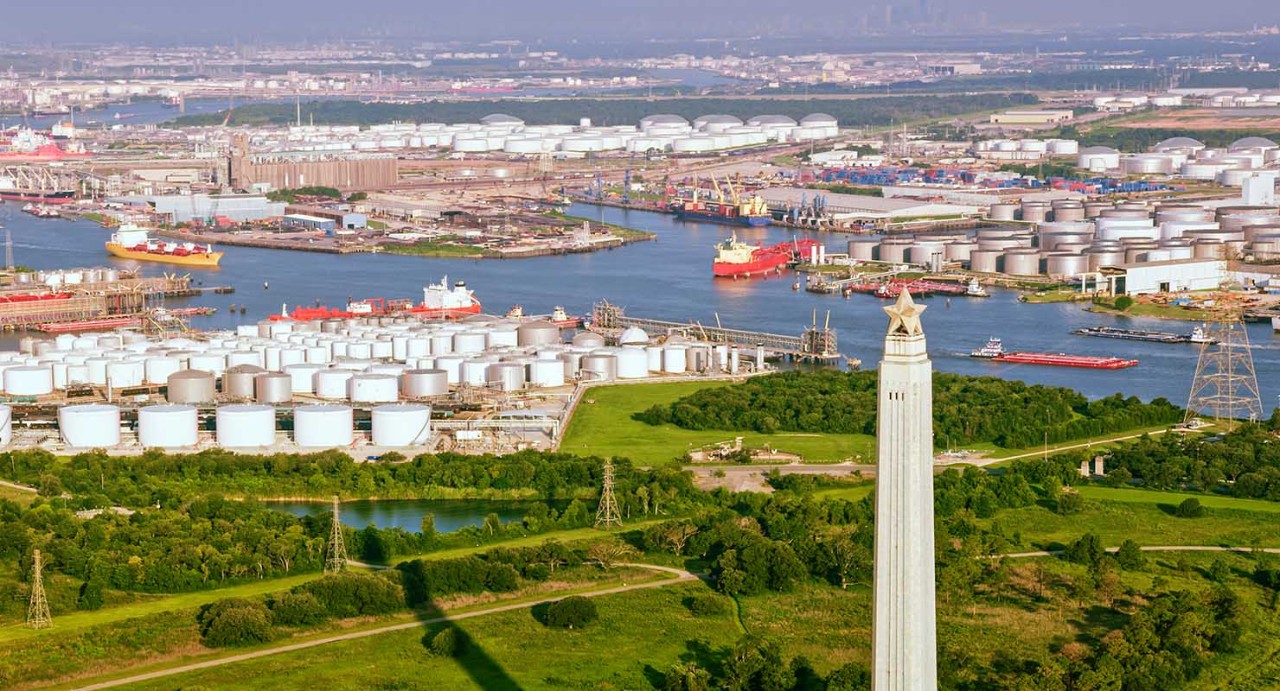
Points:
(904, 627)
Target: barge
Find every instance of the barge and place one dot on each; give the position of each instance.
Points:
(994, 351)
(1197, 335)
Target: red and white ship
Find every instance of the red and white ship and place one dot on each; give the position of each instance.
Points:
(739, 260)
(439, 301)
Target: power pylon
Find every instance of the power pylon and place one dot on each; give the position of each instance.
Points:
(336, 551)
(1225, 386)
(607, 514)
(38, 616)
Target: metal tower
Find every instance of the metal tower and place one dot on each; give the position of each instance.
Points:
(336, 551)
(38, 616)
(1225, 386)
(607, 514)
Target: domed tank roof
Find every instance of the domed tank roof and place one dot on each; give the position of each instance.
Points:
(1253, 143)
(634, 336)
(1099, 150)
(588, 339)
(818, 119)
(662, 119)
(760, 120)
(501, 119)
(1179, 143)
(717, 118)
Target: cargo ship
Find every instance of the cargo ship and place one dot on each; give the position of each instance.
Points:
(739, 260)
(1197, 335)
(994, 350)
(132, 242)
(439, 301)
(11, 193)
(731, 210)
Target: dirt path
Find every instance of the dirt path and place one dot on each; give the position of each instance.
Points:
(681, 576)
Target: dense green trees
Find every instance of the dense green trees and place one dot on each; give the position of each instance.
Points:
(573, 612)
(1244, 462)
(1010, 414)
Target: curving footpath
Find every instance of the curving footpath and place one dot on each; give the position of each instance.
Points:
(681, 576)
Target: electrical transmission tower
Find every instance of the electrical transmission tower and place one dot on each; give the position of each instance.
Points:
(1225, 386)
(607, 514)
(336, 551)
(38, 616)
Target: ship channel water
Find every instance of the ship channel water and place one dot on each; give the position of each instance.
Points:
(670, 278)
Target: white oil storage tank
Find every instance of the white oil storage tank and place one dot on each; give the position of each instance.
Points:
(191, 386)
(89, 426)
(28, 380)
(323, 426)
(424, 383)
(373, 388)
(167, 426)
(332, 383)
(401, 425)
(246, 426)
(273, 387)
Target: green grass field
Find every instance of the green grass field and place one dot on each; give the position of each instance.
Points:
(602, 426)
(1133, 495)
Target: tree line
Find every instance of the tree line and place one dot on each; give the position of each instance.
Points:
(1010, 414)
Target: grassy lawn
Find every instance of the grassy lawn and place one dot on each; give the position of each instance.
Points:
(853, 493)
(602, 426)
(565, 536)
(1096, 443)
(639, 636)
(1147, 496)
(1049, 296)
(17, 496)
(429, 248)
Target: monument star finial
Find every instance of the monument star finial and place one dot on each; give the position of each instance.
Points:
(904, 316)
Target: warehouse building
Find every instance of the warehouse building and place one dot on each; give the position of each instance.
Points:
(1032, 117)
(328, 225)
(342, 217)
(1173, 276)
(206, 208)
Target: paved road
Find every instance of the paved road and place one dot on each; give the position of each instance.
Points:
(21, 488)
(681, 576)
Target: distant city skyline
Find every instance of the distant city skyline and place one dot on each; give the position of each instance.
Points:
(290, 21)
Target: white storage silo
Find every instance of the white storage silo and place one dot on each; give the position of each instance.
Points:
(381, 350)
(401, 425)
(323, 426)
(423, 383)
(28, 381)
(373, 388)
(598, 367)
(157, 369)
(469, 342)
(546, 373)
(331, 383)
(505, 376)
(209, 362)
(273, 387)
(246, 426)
(89, 426)
(474, 372)
(245, 357)
(633, 363)
(167, 426)
(302, 376)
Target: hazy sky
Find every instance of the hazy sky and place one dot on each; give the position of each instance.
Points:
(263, 20)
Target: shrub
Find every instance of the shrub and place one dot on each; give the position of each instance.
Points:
(234, 622)
(90, 596)
(1124, 302)
(298, 609)
(1130, 556)
(572, 612)
(706, 605)
(1069, 503)
(1189, 508)
(350, 594)
(446, 643)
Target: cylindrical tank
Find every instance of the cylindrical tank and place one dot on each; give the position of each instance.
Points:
(474, 372)
(208, 362)
(599, 367)
(588, 339)
(373, 388)
(125, 373)
(28, 380)
(1209, 249)
(675, 359)
(959, 250)
(191, 386)
(1068, 213)
(401, 425)
(633, 363)
(246, 426)
(506, 376)
(469, 342)
(238, 381)
(1100, 257)
(323, 426)
(862, 249)
(1066, 265)
(546, 373)
(273, 387)
(89, 426)
(1003, 212)
(985, 261)
(167, 426)
(894, 250)
(331, 384)
(158, 368)
(538, 333)
(1022, 262)
(1035, 212)
(423, 383)
(302, 376)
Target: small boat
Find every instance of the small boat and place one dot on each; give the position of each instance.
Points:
(975, 290)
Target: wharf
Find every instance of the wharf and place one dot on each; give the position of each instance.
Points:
(815, 345)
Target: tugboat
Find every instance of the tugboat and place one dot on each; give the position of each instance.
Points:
(975, 290)
(994, 351)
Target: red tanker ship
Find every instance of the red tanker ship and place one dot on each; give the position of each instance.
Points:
(738, 259)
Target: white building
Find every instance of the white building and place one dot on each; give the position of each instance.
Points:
(904, 625)
(1173, 276)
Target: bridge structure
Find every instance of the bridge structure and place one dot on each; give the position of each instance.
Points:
(816, 344)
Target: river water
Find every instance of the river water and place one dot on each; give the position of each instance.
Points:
(450, 514)
(671, 279)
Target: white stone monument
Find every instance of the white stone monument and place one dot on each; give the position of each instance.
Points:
(904, 628)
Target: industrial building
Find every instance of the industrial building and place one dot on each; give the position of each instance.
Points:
(1032, 117)
(328, 225)
(854, 208)
(342, 217)
(292, 169)
(206, 208)
(1172, 276)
